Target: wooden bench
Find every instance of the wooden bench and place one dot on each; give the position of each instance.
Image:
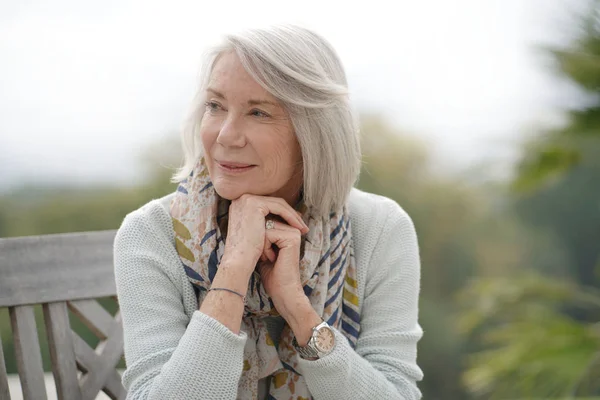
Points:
(62, 272)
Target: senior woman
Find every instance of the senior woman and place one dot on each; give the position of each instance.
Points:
(266, 275)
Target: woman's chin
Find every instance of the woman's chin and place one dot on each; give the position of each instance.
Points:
(231, 192)
(228, 194)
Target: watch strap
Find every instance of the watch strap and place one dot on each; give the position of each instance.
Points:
(310, 350)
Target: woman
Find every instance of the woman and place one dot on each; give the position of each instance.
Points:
(266, 275)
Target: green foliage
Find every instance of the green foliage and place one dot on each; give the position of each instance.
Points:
(532, 346)
(562, 149)
(548, 162)
(460, 235)
(539, 335)
(557, 180)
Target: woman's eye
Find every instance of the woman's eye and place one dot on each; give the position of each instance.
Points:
(212, 106)
(258, 113)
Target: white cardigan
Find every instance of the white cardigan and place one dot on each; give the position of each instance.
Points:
(173, 351)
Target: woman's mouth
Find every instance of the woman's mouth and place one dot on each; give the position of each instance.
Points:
(234, 167)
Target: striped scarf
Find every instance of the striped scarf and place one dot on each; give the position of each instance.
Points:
(327, 270)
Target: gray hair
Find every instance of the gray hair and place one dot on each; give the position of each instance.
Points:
(302, 70)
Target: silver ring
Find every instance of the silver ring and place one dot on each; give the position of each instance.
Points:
(270, 224)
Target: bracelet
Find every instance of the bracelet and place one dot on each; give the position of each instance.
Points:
(230, 291)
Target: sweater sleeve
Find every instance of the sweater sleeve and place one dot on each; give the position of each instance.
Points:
(383, 366)
(168, 355)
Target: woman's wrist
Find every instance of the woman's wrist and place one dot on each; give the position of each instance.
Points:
(223, 305)
(301, 318)
(233, 275)
(239, 260)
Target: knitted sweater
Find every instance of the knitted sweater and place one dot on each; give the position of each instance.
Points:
(174, 351)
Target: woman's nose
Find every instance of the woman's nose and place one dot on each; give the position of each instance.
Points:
(231, 133)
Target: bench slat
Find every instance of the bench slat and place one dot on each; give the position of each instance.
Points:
(114, 387)
(62, 272)
(50, 268)
(94, 316)
(111, 351)
(4, 392)
(27, 352)
(88, 361)
(58, 328)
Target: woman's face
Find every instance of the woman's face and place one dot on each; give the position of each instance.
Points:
(249, 144)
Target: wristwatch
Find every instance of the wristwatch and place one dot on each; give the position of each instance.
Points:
(321, 342)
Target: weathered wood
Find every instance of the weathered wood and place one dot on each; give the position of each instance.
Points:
(4, 392)
(94, 316)
(114, 388)
(100, 367)
(28, 354)
(84, 354)
(111, 351)
(58, 328)
(87, 361)
(50, 268)
(62, 272)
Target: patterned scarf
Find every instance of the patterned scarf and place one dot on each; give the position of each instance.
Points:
(327, 266)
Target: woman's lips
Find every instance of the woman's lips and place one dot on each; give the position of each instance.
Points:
(236, 168)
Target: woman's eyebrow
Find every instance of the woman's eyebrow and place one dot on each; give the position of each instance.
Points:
(259, 102)
(251, 102)
(216, 92)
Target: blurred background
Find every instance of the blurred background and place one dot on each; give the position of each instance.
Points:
(480, 117)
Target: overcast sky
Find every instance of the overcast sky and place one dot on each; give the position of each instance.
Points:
(85, 85)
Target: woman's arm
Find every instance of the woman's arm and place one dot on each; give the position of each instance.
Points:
(224, 306)
(384, 363)
(168, 354)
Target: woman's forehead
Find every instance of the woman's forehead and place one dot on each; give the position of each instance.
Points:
(230, 78)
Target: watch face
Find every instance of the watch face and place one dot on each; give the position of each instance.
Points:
(325, 339)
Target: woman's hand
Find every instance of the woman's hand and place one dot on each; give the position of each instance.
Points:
(246, 230)
(280, 276)
(280, 270)
(245, 244)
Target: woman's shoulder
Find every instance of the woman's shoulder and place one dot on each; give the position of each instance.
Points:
(145, 259)
(378, 223)
(149, 225)
(154, 213)
(370, 213)
(382, 234)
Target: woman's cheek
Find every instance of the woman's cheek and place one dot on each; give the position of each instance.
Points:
(209, 131)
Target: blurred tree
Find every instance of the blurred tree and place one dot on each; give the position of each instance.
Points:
(562, 148)
(558, 177)
(539, 334)
(460, 235)
(534, 349)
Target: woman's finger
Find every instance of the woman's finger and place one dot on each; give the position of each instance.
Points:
(283, 227)
(282, 238)
(279, 235)
(277, 206)
(268, 251)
